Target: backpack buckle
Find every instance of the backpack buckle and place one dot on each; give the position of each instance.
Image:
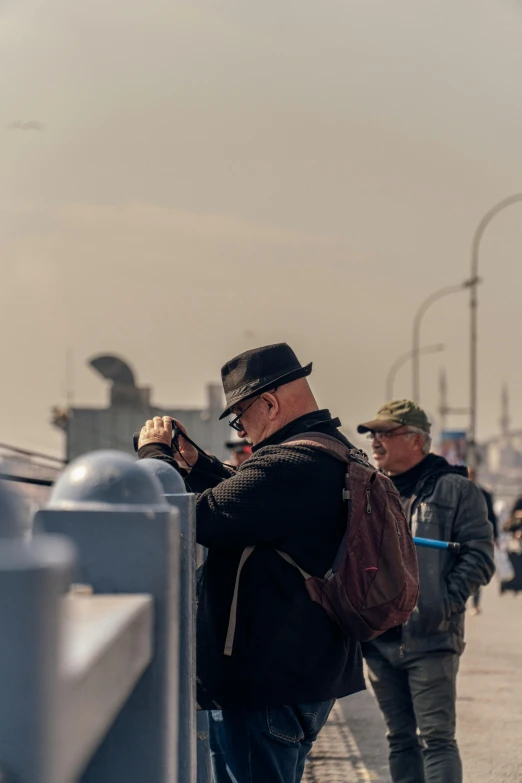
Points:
(360, 456)
(347, 494)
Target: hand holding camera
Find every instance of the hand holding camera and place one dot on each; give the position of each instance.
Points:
(160, 430)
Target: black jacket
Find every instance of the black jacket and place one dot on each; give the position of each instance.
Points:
(286, 649)
(445, 506)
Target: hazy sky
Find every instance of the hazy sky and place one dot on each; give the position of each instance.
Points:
(178, 175)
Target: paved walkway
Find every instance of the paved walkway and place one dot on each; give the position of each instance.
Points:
(490, 692)
(352, 747)
(336, 756)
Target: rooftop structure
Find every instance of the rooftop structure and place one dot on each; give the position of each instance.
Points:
(89, 429)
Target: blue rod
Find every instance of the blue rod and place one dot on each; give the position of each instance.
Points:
(430, 542)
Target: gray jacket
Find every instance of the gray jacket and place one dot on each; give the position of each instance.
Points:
(447, 506)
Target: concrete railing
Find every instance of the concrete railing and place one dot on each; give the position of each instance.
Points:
(97, 683)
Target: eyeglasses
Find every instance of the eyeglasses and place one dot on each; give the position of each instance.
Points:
(382, 436)
(235, 423)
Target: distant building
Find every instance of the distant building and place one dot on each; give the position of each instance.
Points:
(89, 429)
(501, 457)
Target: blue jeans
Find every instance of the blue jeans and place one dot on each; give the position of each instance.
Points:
(266, 745)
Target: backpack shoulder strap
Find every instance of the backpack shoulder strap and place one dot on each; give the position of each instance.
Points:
(229, 641)
(344, 454)
(232, 618)
(331, 445)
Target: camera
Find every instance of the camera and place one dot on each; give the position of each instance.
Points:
(175, 436)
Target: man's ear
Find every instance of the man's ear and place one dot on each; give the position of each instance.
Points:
(272, 403)
(419, 440)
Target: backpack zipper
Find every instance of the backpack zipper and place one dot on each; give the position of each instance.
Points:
(368, 504)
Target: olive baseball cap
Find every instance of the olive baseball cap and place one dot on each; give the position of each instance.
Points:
(399, 413)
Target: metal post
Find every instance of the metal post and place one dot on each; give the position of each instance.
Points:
(401, 361)
(176, 495)
(473, 308)
(193, 724)
(128, 542)
(416, 351)
(33, 576)
(473, 304)
(204, 764)
(186, 506)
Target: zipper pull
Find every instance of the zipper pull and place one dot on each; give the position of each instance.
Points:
(368, 504)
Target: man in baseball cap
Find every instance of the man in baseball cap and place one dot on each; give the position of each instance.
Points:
(400, 413)
(413, 668)
(397, 422)
(241, 450)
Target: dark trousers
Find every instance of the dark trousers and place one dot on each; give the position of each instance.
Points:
(417, 696)
(267, 745)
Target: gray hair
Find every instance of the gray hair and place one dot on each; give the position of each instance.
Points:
(426, 438)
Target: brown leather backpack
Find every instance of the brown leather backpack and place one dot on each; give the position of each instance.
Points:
(373, 584)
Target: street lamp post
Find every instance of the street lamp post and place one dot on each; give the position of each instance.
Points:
(401, 361)
(473, 305)
(415, 351)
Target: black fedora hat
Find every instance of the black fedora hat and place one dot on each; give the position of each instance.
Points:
(259, 370)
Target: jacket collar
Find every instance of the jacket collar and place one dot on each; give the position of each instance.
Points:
(309, 421)
(436, 468)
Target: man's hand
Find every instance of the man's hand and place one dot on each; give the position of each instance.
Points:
(159, 430)
(156, 430)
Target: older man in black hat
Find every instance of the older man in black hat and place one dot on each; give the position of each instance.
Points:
(270, 661)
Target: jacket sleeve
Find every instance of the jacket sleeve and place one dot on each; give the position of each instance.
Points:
(207, 472)
(252, 507)
(491, 513)
(473, 531)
